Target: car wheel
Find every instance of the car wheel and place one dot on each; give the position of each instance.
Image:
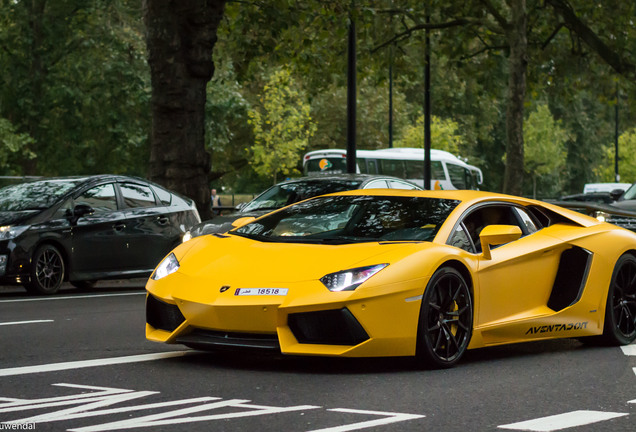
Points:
(84, 285)
(47, 271)
(620, 311)
(446, 320)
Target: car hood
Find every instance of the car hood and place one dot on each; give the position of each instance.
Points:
(233, 260)
(16, 217)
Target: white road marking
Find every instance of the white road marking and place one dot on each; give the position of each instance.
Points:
(72, 297)
(389, 417)
(93, 401)
(52, 367)
(563, 421)
(24, 322)
(629, 350)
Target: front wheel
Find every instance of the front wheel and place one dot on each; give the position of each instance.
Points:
(620, 310)
(446, 319)
(47, 271)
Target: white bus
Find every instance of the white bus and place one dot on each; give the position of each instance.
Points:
(447, 170)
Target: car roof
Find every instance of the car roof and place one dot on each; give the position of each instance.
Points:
(362, 178)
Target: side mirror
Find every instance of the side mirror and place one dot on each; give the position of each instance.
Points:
(497, 235)
(242, 221)
(79, 211)
(616, 194)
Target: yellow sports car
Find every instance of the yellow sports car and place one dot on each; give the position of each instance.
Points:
(399, 273)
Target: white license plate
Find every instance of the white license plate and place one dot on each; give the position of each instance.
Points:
(260, 291)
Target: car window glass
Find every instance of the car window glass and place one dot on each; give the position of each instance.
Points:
(135, 195)
(394, 184)
(288, 193)
(372, 167)
(164, 196)
(392, 167)
(377, 184)
(457, 176)
(482, 217)
(530, 226)
(101, 198)
(460, 239)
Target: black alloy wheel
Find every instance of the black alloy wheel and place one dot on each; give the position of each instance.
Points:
(446, 320)
(620, 312)
(47, 271)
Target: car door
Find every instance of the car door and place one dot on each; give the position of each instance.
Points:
(516, 281)
(98, 243)
(149, 231)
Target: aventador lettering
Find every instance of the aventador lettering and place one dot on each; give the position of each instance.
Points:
(557, 328)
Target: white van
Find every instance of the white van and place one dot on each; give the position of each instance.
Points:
(447, 170)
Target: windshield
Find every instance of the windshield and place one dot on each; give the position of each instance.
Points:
(630, 193)
(37, 195)
(288, 193)
(353, 219)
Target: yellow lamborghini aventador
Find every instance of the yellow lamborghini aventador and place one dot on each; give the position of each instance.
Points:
(399, 273)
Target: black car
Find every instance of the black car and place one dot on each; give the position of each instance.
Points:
(291, 191)
(83, 229)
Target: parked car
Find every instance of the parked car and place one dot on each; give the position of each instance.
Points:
(83, 229)
(291, 191)
(380, 273)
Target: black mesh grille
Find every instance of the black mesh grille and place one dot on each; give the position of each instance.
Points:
(163, 316)
(210, 339)
(330, 327)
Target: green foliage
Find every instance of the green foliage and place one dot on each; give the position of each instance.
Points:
(545, 154)
(11, 145)
(626, 161)
(75, 80)
(444, 135)
(282, 126)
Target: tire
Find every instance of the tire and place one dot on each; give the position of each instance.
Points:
(620, 310)
(47, 271)
(446, 320)
(84, 285)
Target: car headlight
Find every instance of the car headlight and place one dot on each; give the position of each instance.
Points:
(349, 280)
(9, 232)
(601, 216)
(166, 267)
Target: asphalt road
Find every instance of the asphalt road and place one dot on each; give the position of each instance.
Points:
(79, 361)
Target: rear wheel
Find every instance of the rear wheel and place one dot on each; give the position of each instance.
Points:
(47, 271)
(446, 319)
(620, 311)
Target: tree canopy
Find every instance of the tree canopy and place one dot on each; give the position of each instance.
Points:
(77, 95)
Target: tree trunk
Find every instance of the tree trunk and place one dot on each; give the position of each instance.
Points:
(180, 36)
(518, 66)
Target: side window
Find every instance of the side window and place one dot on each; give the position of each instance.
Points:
(457, 175)
(414, 169)
(394, 184)
(101, 198)
(529, 225)
(392, 167)
(362, 165)
(377, 184)
(480, 218)
(372, 166)
(437, 171)
(135, 195)
(164, 196)
(460, 239)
